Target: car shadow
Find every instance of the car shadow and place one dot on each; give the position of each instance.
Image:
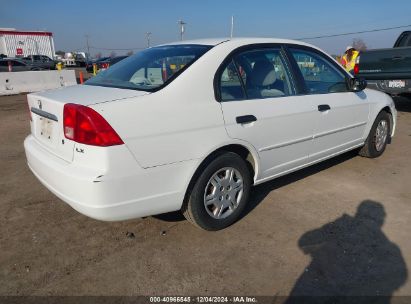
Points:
(258, 193)
(352, 261)
(402, 104)
(175, 216)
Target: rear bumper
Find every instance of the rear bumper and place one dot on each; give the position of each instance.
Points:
(119, 193)
(382, 85)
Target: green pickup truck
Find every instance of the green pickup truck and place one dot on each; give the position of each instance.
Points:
(388, 70)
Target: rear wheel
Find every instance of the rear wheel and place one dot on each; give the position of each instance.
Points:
(378, 138)
(220, 193)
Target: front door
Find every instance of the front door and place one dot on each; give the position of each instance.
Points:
(341, 115)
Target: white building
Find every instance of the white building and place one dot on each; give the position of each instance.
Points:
(14, 43)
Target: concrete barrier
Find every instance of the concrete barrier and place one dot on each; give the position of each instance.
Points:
(34, 81)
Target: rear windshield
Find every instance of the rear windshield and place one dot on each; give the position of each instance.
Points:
(150, 69)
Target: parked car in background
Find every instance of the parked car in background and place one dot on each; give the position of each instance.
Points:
(42, 61)
(105, 64)
(89, 64)
(17, 65)
(222, 116)
(81, 59)
(388, 70)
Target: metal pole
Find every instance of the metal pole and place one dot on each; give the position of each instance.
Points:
(182, 28)
(148, 34)
(232, 27)
(53, 50)
(88, 46)
(37, 47)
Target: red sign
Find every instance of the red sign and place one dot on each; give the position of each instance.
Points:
(19, 51)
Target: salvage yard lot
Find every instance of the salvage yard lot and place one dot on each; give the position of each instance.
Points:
(47, 248)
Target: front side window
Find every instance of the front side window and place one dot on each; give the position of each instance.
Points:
(150, 69)
(255, 74)
(320, 76)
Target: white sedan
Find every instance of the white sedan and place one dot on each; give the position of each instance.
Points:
(192, 126)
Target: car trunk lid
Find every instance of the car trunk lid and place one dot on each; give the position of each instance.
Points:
(47, 113)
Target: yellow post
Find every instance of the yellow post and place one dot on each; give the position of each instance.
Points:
(59, 66)
(94, 69)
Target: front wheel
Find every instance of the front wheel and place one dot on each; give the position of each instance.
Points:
(378, 138)
(219, 194)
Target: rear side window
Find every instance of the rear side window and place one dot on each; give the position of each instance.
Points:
(319, 74)
(408, 42)
(405, 40)
(255, 74)
(230, 84)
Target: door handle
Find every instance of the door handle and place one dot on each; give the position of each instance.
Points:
(398, 58)
(245, 119)
(323, 107)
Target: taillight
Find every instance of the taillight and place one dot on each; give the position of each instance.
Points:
(356, 69)
(357, 66)
(84, 125)
(104, 65)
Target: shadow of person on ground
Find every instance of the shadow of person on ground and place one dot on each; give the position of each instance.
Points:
(353, 261)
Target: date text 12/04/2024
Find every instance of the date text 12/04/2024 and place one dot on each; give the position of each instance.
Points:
(204, 299)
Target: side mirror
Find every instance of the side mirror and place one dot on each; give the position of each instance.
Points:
(357, 84)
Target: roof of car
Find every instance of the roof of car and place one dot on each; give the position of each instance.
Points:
(245, 40)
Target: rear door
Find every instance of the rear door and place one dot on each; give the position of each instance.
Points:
(341, 115)
(260, 106)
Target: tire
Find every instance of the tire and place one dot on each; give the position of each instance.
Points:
(376, 141)
(214, 186)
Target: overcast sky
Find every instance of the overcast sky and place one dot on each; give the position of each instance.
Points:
(123, 24)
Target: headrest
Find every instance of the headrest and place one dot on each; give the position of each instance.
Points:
(263, 73)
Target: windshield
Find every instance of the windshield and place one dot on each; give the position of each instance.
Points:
(150, 69)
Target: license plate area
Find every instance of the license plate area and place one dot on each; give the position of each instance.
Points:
(46, 129)
(396, 84)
